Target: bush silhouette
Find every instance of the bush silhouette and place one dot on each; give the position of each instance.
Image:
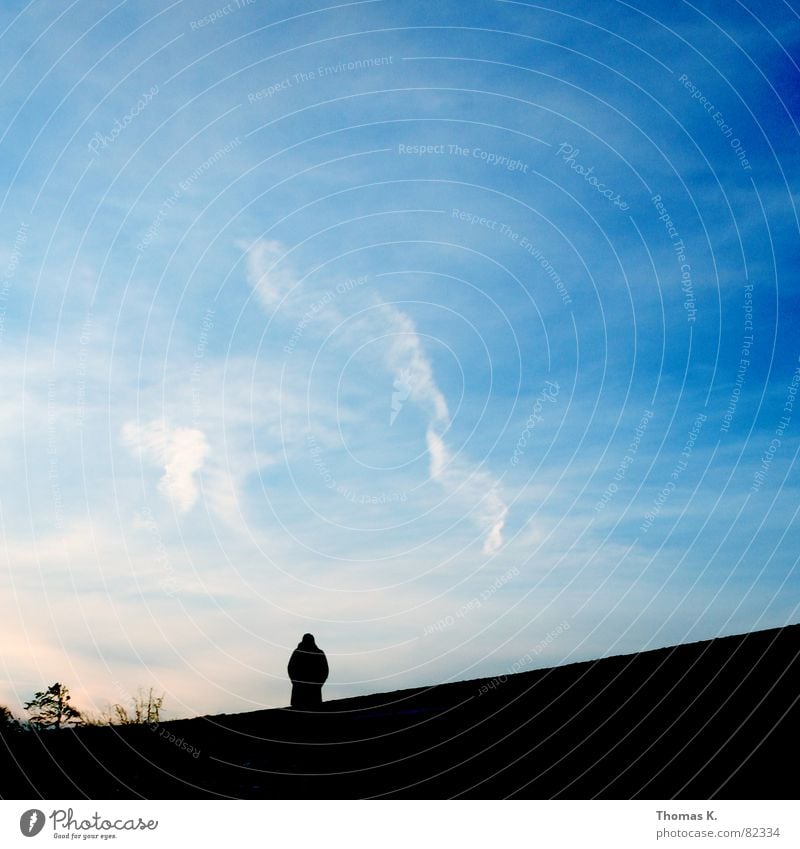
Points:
(146, 709)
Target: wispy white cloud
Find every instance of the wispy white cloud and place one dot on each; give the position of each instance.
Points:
(267, 270)
(412, 368)
(475, 488)
(180, 450)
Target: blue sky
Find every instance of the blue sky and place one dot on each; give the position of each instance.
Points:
(455, 335)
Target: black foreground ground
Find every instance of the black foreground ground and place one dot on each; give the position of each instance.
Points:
(706, 720)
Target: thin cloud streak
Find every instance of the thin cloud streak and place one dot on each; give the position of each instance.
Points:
(408, 362)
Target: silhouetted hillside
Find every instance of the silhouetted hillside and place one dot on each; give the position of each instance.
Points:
(705, 720)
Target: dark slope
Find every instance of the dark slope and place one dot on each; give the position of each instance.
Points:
(705, 720)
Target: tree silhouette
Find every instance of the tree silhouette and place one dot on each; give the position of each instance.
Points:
(146, 709)
(8, 722)
(51, 708)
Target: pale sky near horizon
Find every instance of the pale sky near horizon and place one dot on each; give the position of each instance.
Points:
(463, 336)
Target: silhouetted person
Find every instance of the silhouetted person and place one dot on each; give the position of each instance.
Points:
(308, 671)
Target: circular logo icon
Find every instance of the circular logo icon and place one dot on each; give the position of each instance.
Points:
(31, 822)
